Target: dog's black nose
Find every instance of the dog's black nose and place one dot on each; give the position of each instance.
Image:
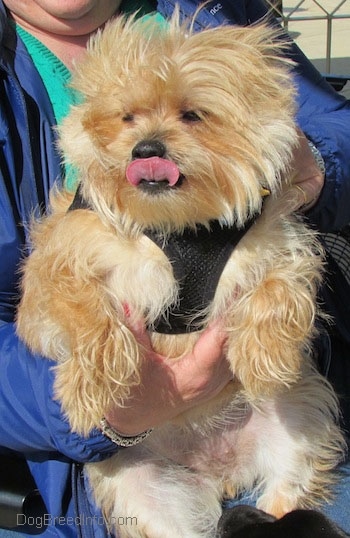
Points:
(148, 148)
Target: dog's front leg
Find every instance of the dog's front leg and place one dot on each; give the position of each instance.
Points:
(67, 314)
(99, 373)
(270, 329)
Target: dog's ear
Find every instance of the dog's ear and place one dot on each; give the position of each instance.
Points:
(99, 77)
(255, 83)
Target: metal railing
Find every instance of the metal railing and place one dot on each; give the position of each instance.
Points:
(325, 13)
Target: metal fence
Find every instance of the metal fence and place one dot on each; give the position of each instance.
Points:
(297, 13)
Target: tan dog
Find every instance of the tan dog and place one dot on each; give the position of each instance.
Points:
(178, 134)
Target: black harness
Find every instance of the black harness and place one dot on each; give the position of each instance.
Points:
(198, 257)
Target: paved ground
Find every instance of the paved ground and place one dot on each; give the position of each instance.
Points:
(311, 35)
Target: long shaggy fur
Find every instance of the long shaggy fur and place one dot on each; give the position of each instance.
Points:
(221, 102)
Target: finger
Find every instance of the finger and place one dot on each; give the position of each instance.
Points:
(308, 192)
(211, 342)
(137, 326)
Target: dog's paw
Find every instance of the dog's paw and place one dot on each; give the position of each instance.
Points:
(249, 522)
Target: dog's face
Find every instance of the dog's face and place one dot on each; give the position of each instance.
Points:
(177, 129)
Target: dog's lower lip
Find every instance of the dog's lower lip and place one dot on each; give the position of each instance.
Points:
(161, 183)
(156, 187)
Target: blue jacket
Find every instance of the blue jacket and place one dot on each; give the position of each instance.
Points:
(31, 420)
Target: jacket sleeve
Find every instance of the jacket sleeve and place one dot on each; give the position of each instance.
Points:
(31, 417)
(324, 117)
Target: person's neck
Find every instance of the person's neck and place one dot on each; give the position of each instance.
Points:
(66, 48)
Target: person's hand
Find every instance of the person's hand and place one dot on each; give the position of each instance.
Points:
(308, 178)
(169, 387)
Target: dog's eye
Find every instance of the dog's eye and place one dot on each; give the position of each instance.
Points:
(128, 117)
(190, 116)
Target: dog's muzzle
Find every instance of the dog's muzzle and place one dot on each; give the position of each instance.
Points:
(150, 170)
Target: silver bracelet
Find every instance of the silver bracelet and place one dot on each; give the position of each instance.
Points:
(122, 440)
(318, 157)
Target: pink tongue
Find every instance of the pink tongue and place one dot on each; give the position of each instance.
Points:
(152, 169)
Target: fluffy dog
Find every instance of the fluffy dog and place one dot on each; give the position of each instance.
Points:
(182, 143)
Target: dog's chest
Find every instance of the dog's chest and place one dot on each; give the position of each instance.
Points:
(198, 258)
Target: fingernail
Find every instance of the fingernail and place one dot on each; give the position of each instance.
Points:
(126, 309)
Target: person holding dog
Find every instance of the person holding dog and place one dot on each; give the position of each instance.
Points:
(41, 40)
